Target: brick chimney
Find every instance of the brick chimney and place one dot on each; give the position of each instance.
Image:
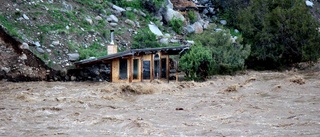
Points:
(112, 48)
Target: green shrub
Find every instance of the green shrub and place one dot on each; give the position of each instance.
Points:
(192, 16)
(226, 57)
(45, 56)
(130, 15)
(95, 50)
(176, 25)
(196, 63)
(145, 39)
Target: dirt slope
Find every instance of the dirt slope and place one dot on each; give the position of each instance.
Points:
(17, 63)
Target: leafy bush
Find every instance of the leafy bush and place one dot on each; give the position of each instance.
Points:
(226, 57)
(281, 32)
(196, 63)
(145, 39)
(176, 25)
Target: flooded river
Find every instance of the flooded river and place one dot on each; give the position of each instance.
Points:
(251, 104)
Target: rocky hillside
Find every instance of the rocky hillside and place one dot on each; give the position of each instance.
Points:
(59, 32)
(62, 31)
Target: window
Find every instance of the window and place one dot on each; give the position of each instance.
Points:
(146, 69)
(123, 73)
(135, 68)
(156, 72)
(164, 68)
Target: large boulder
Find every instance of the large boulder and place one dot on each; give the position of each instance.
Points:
(155, 30)
(113, 18)
(169, 4)
(172, 14)
(309, 3)
(197, 27)
(73, 56)
(117, 8)
(190, 29)
(164, 41)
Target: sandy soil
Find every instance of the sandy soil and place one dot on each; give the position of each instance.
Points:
(252, 104)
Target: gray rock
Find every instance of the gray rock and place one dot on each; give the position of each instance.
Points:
(25, 16)
(37, 44)
(164, 41)
(128, 9)
(113, 24)
(218, 29)
(130, 22)
(203, 2)
(155, 30)
(24, 46)
(109, 19)
(309, 3)
(50, 1)
(174, 41)
(23, 57)
(5, 69)
(197, 27)
(211, 10)
(142, 14)
(233, 39)
(205, 11)
(190, 42)
(55, 43)
(171, 14)
(98, 18)
(190, 29)
(117, 8)
(73, 78)
(89, 20)
(67, 7)
(73, 56)
(236, 30)
(40, 50)
(135, 10)
(205, 25)
(167, 35)
(137, 24)
(48, 50)
(223, 22)
(169, 4)
(114, 18)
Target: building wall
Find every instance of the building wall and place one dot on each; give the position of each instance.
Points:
(116, 63)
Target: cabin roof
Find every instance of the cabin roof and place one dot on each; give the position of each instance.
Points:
(133, 52)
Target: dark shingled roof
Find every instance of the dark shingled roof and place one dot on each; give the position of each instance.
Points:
(132, 52)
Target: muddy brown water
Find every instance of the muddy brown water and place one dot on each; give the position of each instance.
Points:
(261, 104)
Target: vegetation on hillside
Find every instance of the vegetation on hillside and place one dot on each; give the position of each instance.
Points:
(214, 53)
(281, 32)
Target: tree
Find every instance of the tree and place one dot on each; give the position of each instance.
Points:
(281, 32)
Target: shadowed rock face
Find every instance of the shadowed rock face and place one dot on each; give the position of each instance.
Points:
(18, 63)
